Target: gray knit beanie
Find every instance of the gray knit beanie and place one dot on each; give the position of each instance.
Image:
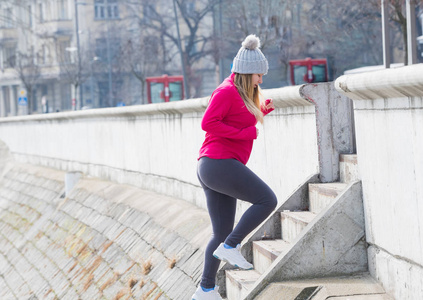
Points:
(250, 59)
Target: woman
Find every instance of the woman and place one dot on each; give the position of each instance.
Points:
(230, 124)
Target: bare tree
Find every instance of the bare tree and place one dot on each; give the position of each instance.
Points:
(399, 17)
(347, 33)
(25, 63)
(276, 22)
(268, 19)
(139, 57)
(9, 18)
(70, 71)
(110, 66)
(29, 73)
(195, 17)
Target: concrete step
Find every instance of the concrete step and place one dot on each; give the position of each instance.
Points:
(293, 222)
(362, 297)
(322, 194)
(239, 282)
(265, 252)
(357, 287)
(348, 168)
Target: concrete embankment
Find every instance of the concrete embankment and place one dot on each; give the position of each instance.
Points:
(101, 241)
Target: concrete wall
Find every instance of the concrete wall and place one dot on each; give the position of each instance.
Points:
(155, 146)
(388, 107)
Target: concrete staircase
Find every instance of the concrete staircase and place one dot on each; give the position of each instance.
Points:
(307, 238)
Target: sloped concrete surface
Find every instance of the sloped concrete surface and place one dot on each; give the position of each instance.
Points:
(103, 241)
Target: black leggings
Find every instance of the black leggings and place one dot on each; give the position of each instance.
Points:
(224, 181)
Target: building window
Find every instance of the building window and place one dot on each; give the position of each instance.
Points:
(193, 49)
(41, 12)
(106, 9)
(151, 43)
(9, 56)
(190, 8)
(233, 25)
(7, 18)
(41, 58)
(273, 22)
(5, 91)
(148, 12)
(30, 15)
(298, 15)
(44, 55)
(62, 53)
(65, 96)
(62, 9)
(101, 48)
(47, 11)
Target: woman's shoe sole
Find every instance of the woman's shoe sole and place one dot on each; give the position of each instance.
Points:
(235, 265)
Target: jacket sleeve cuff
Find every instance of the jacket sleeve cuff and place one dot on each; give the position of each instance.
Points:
(251, 132)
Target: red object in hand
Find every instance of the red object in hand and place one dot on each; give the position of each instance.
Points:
(266, 103)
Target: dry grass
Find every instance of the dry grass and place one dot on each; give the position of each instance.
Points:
(95, 264)
(158, 295)
(172, 263)
(120, 294)
(132, 282)
(48, 292)
(130, 267)
(119, 234)
(109, 282)
(78, 252)
(73, 266)
(142, 283)
(149, 292)
(106, 247)
(88, 282)
(146, 267)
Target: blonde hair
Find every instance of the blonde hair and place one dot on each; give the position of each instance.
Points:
(249, 94)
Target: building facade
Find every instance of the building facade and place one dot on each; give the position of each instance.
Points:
(60, 55)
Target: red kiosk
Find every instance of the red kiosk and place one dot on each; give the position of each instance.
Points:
(165, 88)
(308, 70)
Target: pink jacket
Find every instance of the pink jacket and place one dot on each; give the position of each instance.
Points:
(230, 127)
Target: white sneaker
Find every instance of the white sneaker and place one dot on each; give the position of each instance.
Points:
(232, 256)
(202, 295)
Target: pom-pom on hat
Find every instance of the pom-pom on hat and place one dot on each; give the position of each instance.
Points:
(250, 59)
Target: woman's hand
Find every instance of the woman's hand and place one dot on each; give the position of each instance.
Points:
(269, 106)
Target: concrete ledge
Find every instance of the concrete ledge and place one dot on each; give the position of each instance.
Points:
(180, 107)
(283, 97)
(389, 83)
(288, 96)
